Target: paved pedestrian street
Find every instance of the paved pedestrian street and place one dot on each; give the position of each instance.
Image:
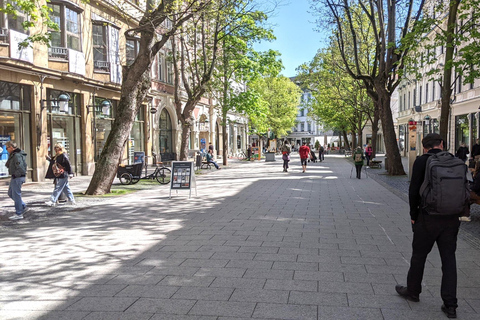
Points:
(256, 243)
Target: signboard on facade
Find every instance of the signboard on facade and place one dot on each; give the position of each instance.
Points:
(139, 157)
(25, 54)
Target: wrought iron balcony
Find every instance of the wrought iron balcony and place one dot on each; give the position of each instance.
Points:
(58, 53)
(101, 65)
(3, 35)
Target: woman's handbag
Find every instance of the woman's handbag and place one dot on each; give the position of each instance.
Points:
(286, 157)
(57, 169)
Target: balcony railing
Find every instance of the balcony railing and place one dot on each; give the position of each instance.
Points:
(3, 35)
(58, 53)
(101, 65)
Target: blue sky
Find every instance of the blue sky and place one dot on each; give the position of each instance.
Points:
(296, 39)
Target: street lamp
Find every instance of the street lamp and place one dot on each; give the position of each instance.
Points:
(428, 123)
(60, 103)
(63, 100)
(104, 109)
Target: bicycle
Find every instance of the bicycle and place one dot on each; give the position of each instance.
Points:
(132, 174)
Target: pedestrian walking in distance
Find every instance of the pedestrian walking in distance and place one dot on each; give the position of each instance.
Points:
(62, 171)
(286, 149)
(435, 219)
(358, 159)
(304, 152)
(368, 154)
(17, 169)
(462, 152)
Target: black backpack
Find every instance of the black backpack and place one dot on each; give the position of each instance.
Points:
(445, 189)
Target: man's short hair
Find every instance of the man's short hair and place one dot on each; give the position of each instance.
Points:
(11, 144)
(432, 140)
(304, 143)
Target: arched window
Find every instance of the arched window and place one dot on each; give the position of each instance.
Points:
(165, 136)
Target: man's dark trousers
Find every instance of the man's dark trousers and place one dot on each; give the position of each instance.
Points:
(428, 230)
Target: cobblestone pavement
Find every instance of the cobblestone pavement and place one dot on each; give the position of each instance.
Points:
(256, 243)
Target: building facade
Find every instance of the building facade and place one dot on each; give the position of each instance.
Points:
(68, 92)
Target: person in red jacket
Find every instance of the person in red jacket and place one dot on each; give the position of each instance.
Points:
(304, 152)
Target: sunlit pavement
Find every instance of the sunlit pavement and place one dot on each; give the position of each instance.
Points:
(255, 243)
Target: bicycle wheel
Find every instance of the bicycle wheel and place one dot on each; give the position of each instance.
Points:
(126, 178)
(163, 176)
(135, 180)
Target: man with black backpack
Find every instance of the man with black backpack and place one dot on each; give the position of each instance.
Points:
(438, 195)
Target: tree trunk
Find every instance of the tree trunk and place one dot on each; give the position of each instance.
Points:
(224, 138)
(354, 139)
(376, 118)
(345, 137)
(135, 84)
(184, 140)
(394, 160)
(447, 72)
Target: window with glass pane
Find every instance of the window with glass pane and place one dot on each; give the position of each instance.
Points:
(461, 130)
(55, 15)
(73, 29)
(131, 50)
(161, 70)
(15, 22)
(68, 21)
(169, 71)
(474, 125)
(9, 96)
(99, 43)
(136, 139)
(165, 127)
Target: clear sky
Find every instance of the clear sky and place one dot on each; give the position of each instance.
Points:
(296, 39)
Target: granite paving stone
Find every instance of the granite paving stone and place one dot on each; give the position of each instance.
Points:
(102, 315)
(285, 311)
(149, 305)
(260, 295)
(223, 308)
(199, 293)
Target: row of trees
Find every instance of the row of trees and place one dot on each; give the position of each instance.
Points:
(374, 46)
(212, 54)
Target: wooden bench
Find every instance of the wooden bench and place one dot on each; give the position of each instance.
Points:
(206, 165)
(376, 164)
(348, 153)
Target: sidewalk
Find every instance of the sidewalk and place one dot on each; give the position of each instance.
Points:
(256, 243)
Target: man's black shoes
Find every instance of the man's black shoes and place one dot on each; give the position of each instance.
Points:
(403, 291)
(451, 312)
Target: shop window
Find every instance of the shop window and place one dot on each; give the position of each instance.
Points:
(15, 105)
(104, 118)
(136, 141)
(68, 36)
(462, 132)
(131, 50)
(14, 96)
(165, 136)
(99, 41)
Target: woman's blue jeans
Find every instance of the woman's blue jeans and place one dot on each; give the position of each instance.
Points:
(60, 186)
